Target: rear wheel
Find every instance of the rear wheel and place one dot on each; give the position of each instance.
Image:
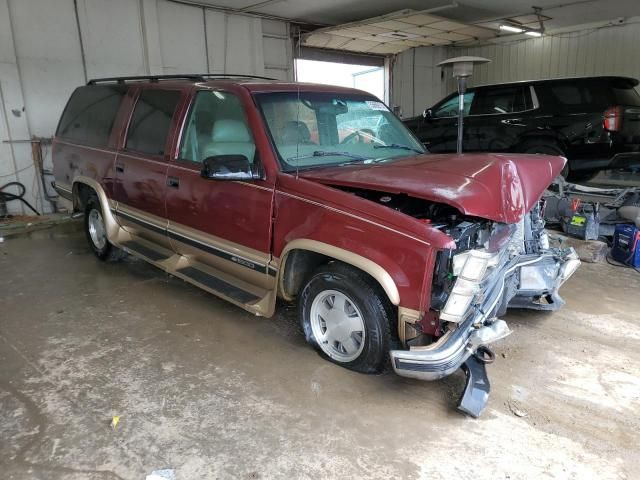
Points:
(96, 232)
(347, 318)
(547, 148)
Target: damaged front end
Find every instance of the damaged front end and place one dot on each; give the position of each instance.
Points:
(494, 267)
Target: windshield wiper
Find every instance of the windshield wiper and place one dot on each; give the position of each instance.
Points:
(398, 146)
(325, 153)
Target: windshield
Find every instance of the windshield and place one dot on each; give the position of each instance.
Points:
(321, 129)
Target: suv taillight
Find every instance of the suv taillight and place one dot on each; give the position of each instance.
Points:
(613, 119)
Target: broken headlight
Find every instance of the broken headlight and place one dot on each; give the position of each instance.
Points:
(470, 268)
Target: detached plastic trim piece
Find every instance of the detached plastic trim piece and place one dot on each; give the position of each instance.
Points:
(476, 390)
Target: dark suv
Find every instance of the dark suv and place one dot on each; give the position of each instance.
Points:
(593, 121)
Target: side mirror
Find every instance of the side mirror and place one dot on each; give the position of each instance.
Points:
(230, 167)
(427, 114)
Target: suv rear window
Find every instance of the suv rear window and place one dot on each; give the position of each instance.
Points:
(151, 121)
(575, 94)
(89, 115)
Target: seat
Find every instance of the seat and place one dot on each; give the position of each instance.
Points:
(295, 132)
(230, 137)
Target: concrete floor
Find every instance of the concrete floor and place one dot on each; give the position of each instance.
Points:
(207, 389)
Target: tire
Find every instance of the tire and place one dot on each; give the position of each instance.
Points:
(547, 148)
(95, 231)
(356, 332)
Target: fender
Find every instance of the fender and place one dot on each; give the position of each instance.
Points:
(107, 205)
(376, 271)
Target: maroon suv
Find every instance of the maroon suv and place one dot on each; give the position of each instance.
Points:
(254, 189)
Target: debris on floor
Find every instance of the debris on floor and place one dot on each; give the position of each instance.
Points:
(164, 474)
(115, 421)
(517, 409)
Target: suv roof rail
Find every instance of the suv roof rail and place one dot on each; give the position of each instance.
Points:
(198, 77)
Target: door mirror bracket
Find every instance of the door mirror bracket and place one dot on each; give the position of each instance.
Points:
(231, 167)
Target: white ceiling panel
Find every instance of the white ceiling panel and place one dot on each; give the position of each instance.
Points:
(421, 19)
(370, 29)
(562, 14)
(477, 32)
(422, 31)
(398, 31)
(447, 26)
(452, 36)
(393, 25)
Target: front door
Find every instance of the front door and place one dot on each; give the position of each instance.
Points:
(439, 131)
(221, 224)
(141, 166)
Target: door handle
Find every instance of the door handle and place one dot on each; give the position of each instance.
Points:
(119, 167)
(513, 122)
(173, 182)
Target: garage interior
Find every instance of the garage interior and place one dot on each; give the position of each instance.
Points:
(120, 370)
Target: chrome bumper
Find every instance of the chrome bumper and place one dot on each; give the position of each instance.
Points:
(546, 274)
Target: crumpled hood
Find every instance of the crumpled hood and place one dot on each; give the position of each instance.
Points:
(500, 187)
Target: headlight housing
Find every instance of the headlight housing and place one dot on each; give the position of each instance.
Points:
(471, 268)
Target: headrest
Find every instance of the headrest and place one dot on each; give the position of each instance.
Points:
(295, 132)
(227, 130)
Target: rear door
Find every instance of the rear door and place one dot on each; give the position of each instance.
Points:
(499, 115)
(141, 164)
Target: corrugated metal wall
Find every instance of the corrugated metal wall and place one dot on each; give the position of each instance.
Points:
(603, 51)
(48, 48)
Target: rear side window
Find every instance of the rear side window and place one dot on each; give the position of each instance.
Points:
(511, 99)
(626, 96)
(90, 113)
(151, 121)
(569, 94)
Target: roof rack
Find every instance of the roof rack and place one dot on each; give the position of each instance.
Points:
(197, 77)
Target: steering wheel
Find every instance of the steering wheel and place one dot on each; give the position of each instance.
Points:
(359, 136)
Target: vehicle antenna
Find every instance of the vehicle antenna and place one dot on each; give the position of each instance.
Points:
(295, 72)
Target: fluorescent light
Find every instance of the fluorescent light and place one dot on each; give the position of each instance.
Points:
(533, 33)
(510, 28)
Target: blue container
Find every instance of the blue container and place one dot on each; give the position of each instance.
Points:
(626, 245)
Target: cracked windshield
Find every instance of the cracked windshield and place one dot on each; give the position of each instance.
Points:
(313, 129)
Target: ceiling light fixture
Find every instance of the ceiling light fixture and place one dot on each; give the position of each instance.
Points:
(511, 28)
(533, 33)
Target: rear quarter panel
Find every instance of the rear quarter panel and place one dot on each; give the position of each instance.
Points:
(71, 161)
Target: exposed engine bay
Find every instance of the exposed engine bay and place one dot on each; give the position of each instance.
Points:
(495, 266)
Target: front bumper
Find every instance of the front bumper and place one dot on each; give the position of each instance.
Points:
(544, 274)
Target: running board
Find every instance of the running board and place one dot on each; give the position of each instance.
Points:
(218, 285)
(149, 253)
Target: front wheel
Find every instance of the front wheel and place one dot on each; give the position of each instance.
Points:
(347, 318)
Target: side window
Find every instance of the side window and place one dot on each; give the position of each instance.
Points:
(151, 120)
(502, 100)
(450, 107)
(216, 126)
(89, 115)
(576, 96)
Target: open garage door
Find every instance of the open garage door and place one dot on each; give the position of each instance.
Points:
(365, 72)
